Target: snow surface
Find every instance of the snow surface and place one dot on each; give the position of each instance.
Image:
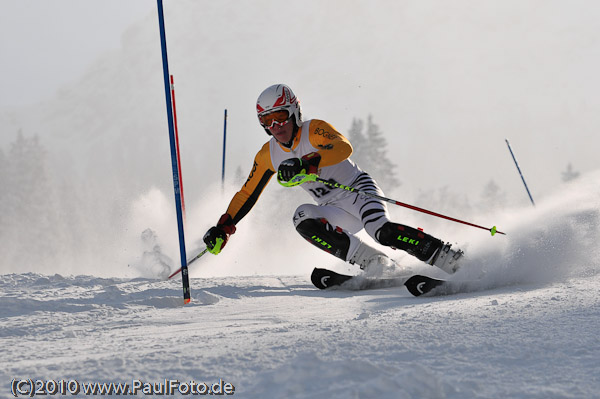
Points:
(93, 307)
(526, 327)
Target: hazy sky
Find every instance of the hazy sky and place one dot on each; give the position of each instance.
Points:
(446, 82)
(47, 44)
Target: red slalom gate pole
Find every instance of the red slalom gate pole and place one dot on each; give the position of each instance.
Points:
(177, 147)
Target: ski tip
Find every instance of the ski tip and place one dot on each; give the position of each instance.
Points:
(418, 285)
(319, 278)
(323, 278)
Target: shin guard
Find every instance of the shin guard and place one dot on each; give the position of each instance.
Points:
(411, 240)
(324, 236)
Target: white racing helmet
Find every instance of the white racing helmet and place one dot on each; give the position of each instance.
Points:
(278, 97)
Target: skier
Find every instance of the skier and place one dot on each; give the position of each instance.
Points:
(314, 146)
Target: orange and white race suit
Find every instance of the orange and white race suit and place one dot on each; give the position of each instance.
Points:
(313, 136)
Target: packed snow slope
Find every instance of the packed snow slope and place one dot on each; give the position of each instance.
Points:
(526, 327)
(280, 338)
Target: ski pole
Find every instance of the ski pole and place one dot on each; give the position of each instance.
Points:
(303, 178)
(519, 170)
(205, 250)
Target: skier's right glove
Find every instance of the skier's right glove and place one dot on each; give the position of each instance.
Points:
(216, 237)
(308, 164)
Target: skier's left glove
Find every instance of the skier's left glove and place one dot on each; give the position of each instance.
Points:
(216, 237)
(308, 164)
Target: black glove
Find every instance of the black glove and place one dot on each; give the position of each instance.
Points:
(289, 168)
(216, 237)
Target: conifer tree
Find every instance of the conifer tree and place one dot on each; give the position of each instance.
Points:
(370, 153)
(492, 197)
(31, 201)
(569, 174)
(359, 143)
(239, 177)
(4, 211)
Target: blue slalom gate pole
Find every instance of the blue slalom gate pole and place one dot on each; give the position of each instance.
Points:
(224, 146)
(519, 170)
(174, 157)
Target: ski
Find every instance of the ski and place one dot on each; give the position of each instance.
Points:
(416, 284)
(419, 285)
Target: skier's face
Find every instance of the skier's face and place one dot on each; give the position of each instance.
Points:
(282, 131)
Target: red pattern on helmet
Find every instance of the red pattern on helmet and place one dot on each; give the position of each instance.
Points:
(281, 100)
(259, 109)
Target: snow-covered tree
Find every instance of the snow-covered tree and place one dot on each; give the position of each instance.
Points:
(370, 153)
(444, 200)
(359, 142)
(3, 189)
(239, 177)
(569, 174)
(492, 197)
(30, 201)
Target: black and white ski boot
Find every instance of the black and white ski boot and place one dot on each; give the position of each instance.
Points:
(446, 258)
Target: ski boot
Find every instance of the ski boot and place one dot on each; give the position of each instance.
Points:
(372, 261)
(446, 258)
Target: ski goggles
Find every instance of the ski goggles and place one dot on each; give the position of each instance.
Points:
(270, 119)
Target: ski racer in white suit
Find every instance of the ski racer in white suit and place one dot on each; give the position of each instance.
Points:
(314, 146)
